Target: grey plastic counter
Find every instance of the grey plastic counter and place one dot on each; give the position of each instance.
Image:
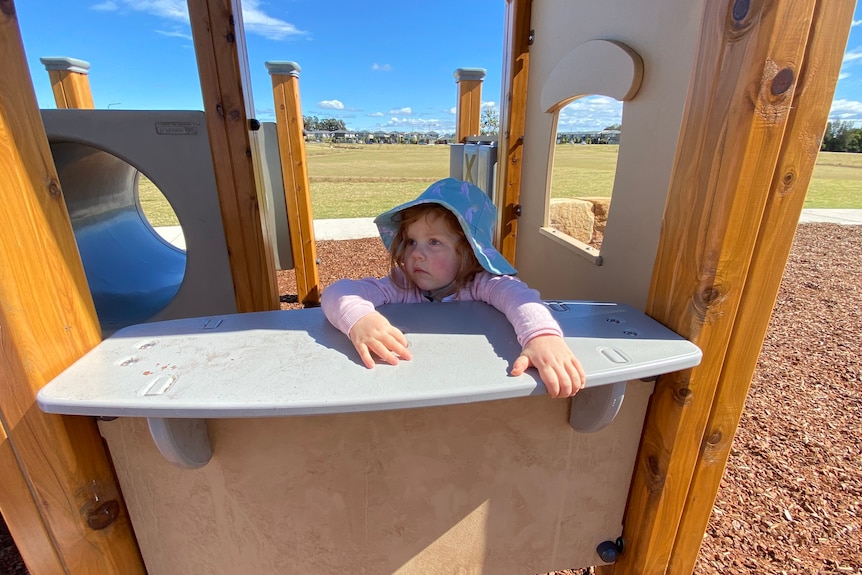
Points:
(283, 363)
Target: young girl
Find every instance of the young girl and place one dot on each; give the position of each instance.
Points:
(440, 247)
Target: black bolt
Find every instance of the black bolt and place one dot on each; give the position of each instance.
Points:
(782, 81)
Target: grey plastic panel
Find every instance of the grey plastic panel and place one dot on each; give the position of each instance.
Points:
(134, 275)
(294, 362)
(275, 211)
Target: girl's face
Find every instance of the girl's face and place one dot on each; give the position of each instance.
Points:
(431, 259)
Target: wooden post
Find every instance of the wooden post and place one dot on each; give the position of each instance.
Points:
(516, 62)
(294, 168)
(469, 110)
(70, 82)
(809, 113)
(57, 488)
(219, 40)
(713, 252)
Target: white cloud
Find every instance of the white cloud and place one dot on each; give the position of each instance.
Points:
(331, 105)
(856, 23)
(170, 9)
(843, 76)
(852, 55)
(846, 109)
(175, 33)
(255, 20)
(590, 113)
(453, 110)
(424, 124)
(407, 111)
(107, 6)
(381, 67)
(489, 105)
(376, 114)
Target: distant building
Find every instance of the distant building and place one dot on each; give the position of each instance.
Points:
(594, 137)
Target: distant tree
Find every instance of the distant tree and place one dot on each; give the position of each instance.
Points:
(490, 122)
(614, 127)
(841, 136)
(310, 123)
(331, 125)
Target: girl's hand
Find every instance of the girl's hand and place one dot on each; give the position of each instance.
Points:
(558, 367)
(374, 333)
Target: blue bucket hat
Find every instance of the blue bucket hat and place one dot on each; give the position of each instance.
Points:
(475, 212)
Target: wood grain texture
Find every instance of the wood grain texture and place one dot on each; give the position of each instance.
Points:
(297, 192)
(18, 509)
(71, 503)
(71, 89)
(808, 115)
(516, 62)
(733, 130)
(223, 68)
(469, 109)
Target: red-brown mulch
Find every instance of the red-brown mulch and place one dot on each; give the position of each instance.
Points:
(791, 497)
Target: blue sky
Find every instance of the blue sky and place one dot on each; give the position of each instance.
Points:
(382, 65)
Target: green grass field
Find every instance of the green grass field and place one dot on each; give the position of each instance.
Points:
(365, 180)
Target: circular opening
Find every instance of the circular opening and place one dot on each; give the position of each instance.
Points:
(159, 213)
(132, 271)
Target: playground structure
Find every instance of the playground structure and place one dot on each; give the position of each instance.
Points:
(133, 274)
(718, 193)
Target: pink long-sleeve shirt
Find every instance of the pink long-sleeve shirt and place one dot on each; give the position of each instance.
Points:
(346, 301)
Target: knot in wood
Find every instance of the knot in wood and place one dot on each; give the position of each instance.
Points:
(683, 395)
(714, 438)
(103, 515)
(706, 300)
(54, 189)
(775, 93)
(787, 183)
(655, 474)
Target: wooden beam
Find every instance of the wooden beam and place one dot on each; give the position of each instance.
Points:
(70, 82)
(58, 493)
(468, 116)
(516, 68)
(219, 40)
(733, 129)
(809, 112)
(294, 168)
(21, 514)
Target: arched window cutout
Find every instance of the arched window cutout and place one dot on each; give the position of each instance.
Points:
(595, 73)
(582, 173)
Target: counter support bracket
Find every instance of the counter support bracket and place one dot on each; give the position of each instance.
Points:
(183, 442)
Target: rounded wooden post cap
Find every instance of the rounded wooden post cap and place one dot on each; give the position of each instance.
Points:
(469, 74)
(283, 68)
(66, 64)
